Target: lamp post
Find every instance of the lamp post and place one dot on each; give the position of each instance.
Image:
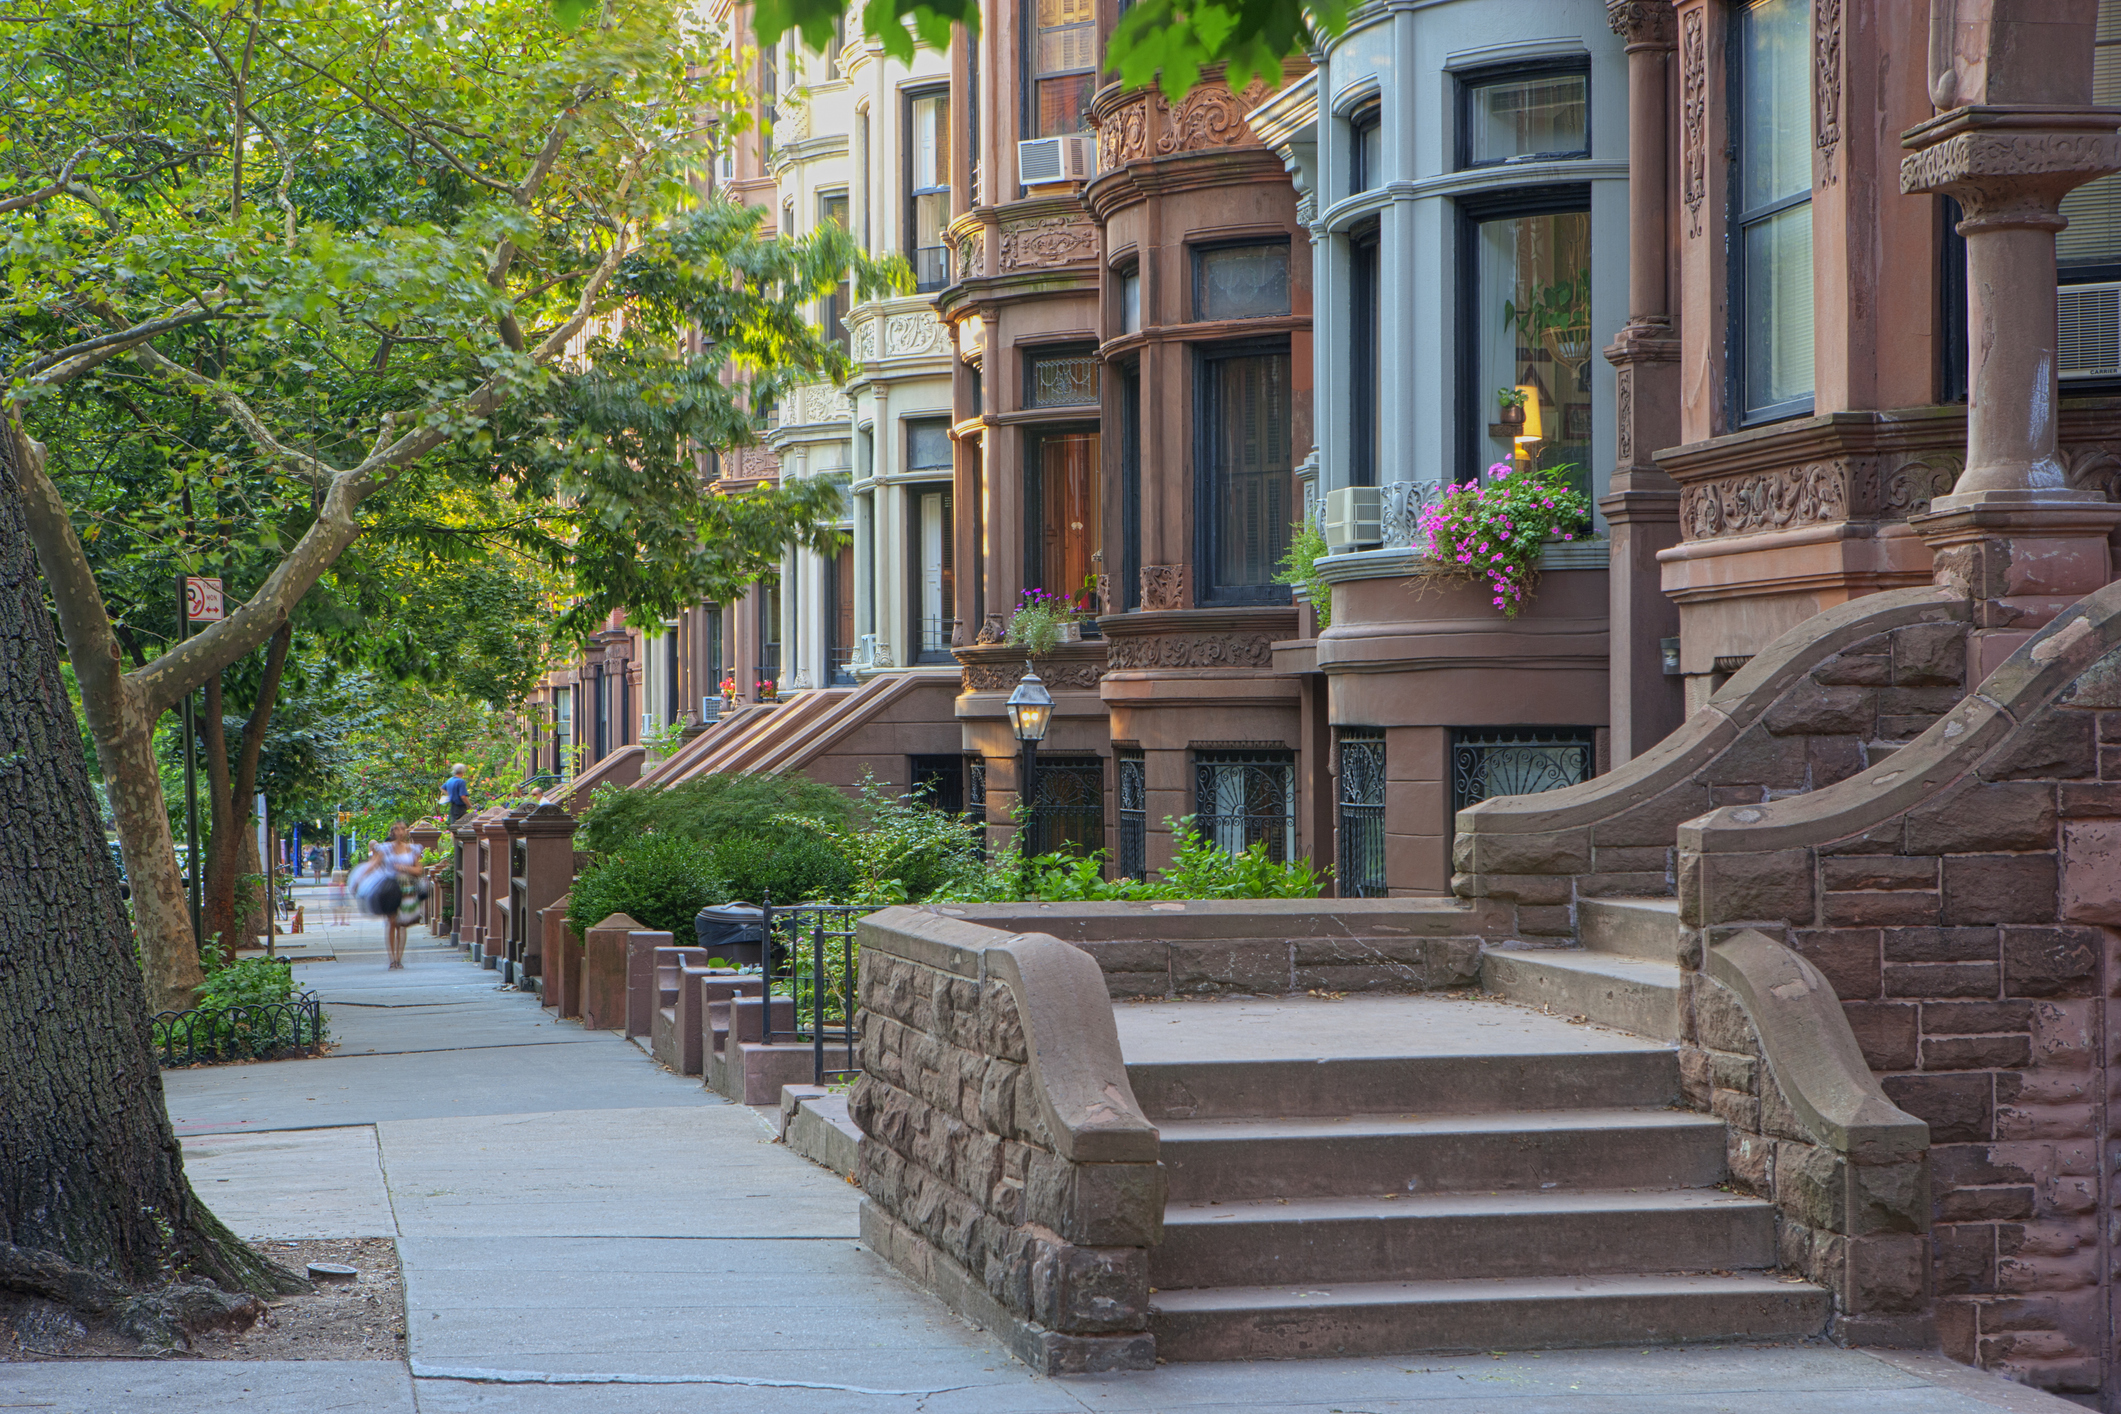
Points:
(1030, 713)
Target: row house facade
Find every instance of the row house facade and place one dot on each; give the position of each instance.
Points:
(1148, 338)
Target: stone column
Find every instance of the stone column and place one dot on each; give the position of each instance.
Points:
(465, 834)
(493, 887)
(1641, 505)
(547, 832)
(2017, 134)
(428, 839)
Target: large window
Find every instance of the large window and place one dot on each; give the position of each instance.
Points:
(1128, 591)
(1063, 65)
(1771, 210)
(1364, 353)
(1244, 483)
(1064, 497)
(1529, 314)
(1366, 149)
(711, 620)
(928, 187)
(1241, 281)
(832, 210)
(1524, 115)
(1241, 798)
(769, 664)
(563, 752)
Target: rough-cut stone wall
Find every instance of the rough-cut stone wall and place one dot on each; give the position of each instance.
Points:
(1824, 702)
(1963, 899)
(992, 1180)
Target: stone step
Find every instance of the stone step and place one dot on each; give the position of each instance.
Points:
(1631, 994)
(1459, 1236)
(1630, 927)
(1237, 1159)
(1438, 1084)
(1524, 1313)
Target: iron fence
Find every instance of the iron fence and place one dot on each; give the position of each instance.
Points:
(1243, 797)
(1361, 871)
(254, 1031)
(810, 961)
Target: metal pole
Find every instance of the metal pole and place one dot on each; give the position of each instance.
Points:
(817, 1001)
(1029, 787)
(272, 900)
(191, 776)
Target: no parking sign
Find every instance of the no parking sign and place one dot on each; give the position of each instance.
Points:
(202, 599)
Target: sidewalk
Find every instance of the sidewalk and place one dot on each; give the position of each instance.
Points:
(581, 1230)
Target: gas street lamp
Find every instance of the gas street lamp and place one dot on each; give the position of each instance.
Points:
(1030, 713)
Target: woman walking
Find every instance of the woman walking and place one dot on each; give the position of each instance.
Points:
(397, 883)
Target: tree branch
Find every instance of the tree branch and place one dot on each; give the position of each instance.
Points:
(470, 174)
(115, 342)
(65, 182)
(306, 464)
(90, 644)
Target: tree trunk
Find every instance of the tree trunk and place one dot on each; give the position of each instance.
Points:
(90, 1172)
(235, 850)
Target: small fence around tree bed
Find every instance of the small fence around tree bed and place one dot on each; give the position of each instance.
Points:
(251, 1031)
(805, 944)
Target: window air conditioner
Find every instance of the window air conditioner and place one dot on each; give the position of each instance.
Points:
(2088, 323)
(1354, 516)
(1053, 159)
(710, 710)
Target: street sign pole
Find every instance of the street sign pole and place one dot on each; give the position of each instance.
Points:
(191, 777)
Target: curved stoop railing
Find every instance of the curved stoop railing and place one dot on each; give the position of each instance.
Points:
(1819, 704)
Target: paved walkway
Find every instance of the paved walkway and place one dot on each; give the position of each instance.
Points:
(583, 1231)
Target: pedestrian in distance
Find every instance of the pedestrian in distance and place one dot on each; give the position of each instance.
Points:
(456, 791)
(390, 885)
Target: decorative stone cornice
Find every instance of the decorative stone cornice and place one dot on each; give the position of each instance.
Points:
(1135, 125)
(1651, 22)
(1076, 667)
(1036, 242)
(2010, 166)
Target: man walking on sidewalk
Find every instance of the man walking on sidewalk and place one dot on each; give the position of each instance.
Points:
(457, 790)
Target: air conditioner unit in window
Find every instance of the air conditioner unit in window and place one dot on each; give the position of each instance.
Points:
(1354, 516)
(2088, 322)
(1054, 159)
(710, 710)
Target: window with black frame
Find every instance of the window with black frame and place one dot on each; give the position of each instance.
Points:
(1540, 113)
(1526, 287)
(1129, 591)
(839, 616)
(934, 568)
(1063, 61)
(1244, 484)
(928, 187)
(769, 624)
(2088, 252)
(1241, 281)
(1771, 210)
(1133, 792)
(1361, 868)
(1364, 353)
(1243, 798)
(711, 618)
(833, 309)
(1366, 148)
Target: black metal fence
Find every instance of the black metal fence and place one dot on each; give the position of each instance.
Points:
(1361, 867)
(1243, 797)
(256, 1031)
(810, 962)
(1516, 761)
(1132, 769)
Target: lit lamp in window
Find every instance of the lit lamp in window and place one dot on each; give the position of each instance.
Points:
(1531, 434)
(1030, 713)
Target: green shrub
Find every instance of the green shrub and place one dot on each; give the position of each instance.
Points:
(659, 881)
(1299, 569)
(906, 848)
(227, 1026)
(704, 810)
(788, 859)
(1200, 869)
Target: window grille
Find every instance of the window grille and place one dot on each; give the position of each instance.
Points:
(1361, 869)
(1068, 811)
(1064, 380)
(1133, 815)
(1243, 797)
(1516, 761)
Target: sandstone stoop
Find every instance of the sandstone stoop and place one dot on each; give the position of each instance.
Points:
(1625, 973)
(1322, 1207)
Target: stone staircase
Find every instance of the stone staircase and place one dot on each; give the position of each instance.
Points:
(1625, 973)
(1542, 1195)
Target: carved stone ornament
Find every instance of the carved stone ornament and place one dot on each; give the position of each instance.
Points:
(2094, 469)
(865, 340)
(993, 630)
(1993, 174)
(970, 248)
(1868, 488)
(1642, 21)
(1624, 416)
(1693, 117)
(1191, 650)
(916, 335)
(821, 402)
(1826, 85)
(1163, 587)
(1079, 675)
(1048, 240)
(1143, 125)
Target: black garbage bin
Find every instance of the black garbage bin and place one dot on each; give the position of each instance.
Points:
(734, 931)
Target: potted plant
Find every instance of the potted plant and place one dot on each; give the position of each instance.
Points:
(1512, 401)
(1041, 622)
(1498, 531)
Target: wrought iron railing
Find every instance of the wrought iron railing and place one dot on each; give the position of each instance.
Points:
(1517, 761)
(253, 1031)
(810, 960)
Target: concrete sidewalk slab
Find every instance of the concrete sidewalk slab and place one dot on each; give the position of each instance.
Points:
(709, 1171)
(293, 1183)
(207, 1386)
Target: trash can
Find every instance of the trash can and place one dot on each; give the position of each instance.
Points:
(733, 931)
